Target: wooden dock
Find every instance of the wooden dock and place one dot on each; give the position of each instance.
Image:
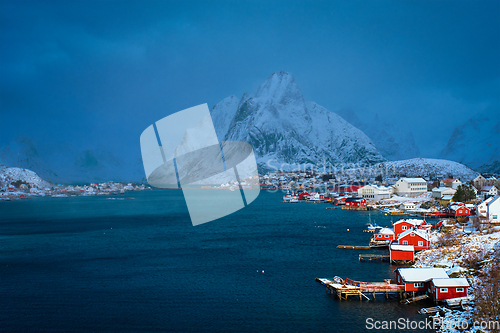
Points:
(353, 247)
(374, 257)
(345, 288)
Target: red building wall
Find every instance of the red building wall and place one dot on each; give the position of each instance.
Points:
(413, 240)
(402, 255)
(452, 292)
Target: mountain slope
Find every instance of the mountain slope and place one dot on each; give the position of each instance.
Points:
(476, 143)
(393, 142)
(285, 129)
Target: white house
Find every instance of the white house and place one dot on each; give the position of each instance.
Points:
(450, 182)
(375, 192)
(489, 191)
(410, 187)
(489, 209)
(439, 192)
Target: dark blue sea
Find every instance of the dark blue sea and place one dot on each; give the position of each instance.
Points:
(134, 263)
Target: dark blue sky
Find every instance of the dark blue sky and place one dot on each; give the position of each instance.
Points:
(94, 72)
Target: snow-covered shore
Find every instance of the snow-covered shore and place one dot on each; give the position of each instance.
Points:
(467, 254)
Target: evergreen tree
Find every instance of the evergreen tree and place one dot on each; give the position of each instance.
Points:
(464, 193)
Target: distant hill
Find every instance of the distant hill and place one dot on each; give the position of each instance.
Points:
(417, 167)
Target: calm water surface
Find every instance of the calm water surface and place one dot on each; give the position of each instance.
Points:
(91, 264)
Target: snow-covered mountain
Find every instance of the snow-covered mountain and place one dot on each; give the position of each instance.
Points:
(393, 142)
(283, 128)
(415, 167)
(476, 143)
(65, 164)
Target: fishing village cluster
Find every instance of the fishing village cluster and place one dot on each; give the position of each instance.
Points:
(444, 247)
(19, 183)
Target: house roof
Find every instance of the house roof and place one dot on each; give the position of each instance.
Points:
(386, 231)
(447, 197)
(449, 180)
(447, 282)
(495, 198)
(486, 188)
(422, 274)
(397, 247)
(418, 232)
(411, 221)
(414, 180)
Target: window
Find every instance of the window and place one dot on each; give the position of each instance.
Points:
(404, 227)
(420, 243)
(495, 217)
(443, 290)
(460, 290)
(418, 284)
(405, 242)
(386, 236)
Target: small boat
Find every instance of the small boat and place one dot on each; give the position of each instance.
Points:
(373, 226)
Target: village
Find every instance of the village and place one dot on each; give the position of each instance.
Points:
(18, 184)
(445, 246)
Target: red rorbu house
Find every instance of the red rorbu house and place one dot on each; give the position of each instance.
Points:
(355, 202)
(383, 235)
(403, 225)
(417, 280)
(418, 238)
(401, 252)
(458, 209)
(443, 288)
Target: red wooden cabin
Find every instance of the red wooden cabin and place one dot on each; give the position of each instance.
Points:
(401, 252)
(418, 238)
(441, 289)
(418, 279)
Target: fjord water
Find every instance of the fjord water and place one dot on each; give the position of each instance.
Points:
(134, 263)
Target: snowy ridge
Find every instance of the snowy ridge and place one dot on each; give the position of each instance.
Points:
(284, 129)
(417, 167)
(10, 175)
(429, 166)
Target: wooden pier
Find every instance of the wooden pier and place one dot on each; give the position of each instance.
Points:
(345, 288)
(353, 247)
(374, 257)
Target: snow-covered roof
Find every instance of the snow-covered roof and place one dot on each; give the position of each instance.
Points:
(495, 198)
(397, 247)
(411, 221)
(418, 232)
(386, 231)
(422, 274)
(486, 188)
(447, 282)
(447, 197)
(413, 180)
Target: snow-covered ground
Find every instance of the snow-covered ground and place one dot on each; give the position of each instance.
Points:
(10, 175)
(482, 246)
